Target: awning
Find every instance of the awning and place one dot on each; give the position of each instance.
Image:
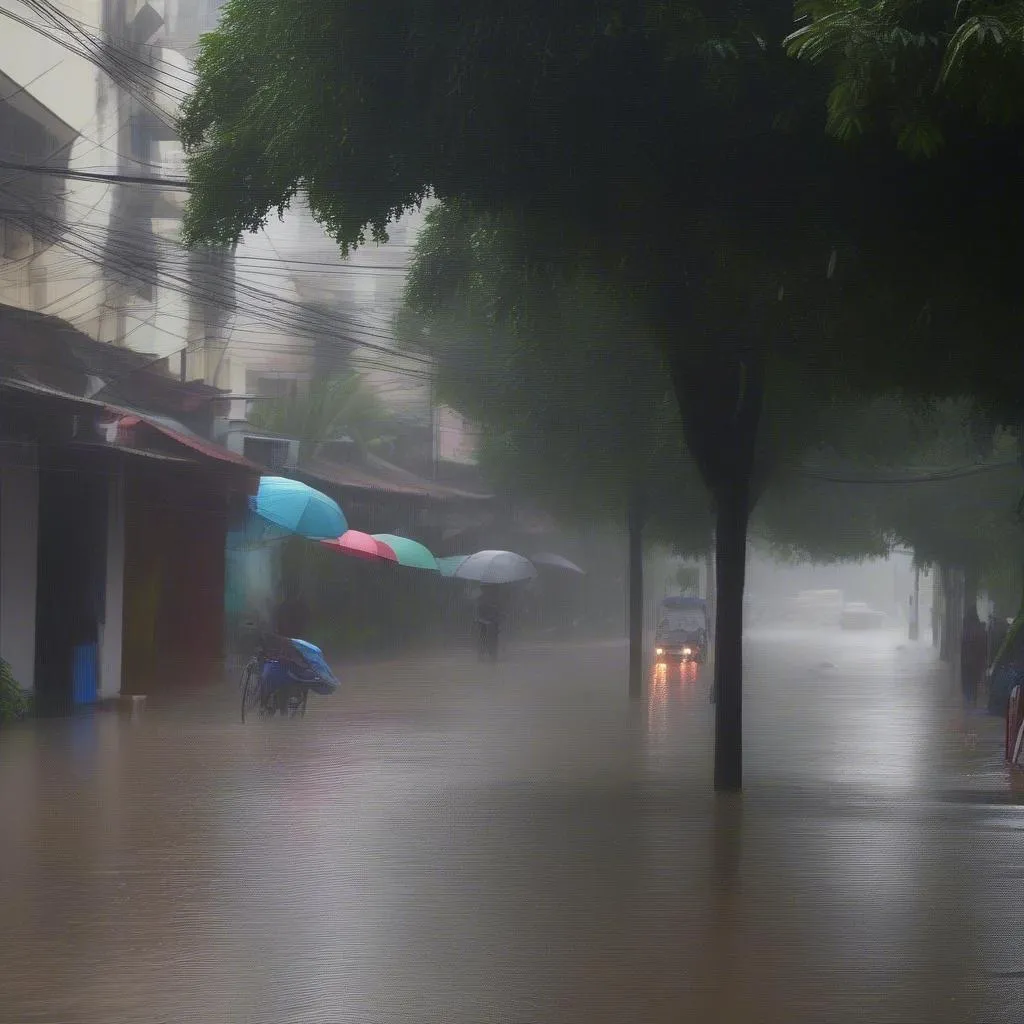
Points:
(127, 420)
(210, 449)
(139, 453)
(45, 391)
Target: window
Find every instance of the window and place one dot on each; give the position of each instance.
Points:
(277, 387)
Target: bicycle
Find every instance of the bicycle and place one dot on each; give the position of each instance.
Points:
(290, 699)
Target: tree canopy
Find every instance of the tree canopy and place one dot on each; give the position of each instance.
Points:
(898, 474)
(921, 68)
(672, 144)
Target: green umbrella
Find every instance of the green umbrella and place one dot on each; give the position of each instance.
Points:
(409, 552)
(450, 566)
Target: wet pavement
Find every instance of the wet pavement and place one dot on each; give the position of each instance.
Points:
(448, 841)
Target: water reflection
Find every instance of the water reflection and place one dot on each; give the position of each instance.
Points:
(672, 688)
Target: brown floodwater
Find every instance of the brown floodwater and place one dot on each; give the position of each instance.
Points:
(446, 841)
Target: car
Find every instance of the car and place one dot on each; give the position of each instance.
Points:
(858, 615)
(681, 635)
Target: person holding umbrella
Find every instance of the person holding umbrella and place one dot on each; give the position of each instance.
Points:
(973, 656)
(494, 571)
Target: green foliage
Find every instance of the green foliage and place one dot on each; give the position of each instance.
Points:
(671, 148)
(621, 139)
(945, 81)
(329, 409)
(14, 702)
(368, 108)
(914, 63)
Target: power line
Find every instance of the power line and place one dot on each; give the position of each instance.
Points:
(106, 54)
(934, 476)
(218, 291)
(116, 179)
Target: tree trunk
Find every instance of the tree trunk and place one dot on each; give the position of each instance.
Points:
(944, 638)
(720, 397)
(955, 616)
(710, 590)
(915, 605)
(733, 512)
(635, 525)
(970, 589)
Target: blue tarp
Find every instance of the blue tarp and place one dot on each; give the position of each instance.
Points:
(316, 674)
(85, 675)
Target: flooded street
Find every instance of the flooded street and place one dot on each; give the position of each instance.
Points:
(445, 841)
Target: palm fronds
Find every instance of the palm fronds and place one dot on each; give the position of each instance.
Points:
(341, 406)
(904, 61)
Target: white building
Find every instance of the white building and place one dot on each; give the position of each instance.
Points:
(117, 271)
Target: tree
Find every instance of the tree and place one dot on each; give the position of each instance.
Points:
(920, 67)
(944, 80)
(331, 408)
(899, 474)
(668, 151)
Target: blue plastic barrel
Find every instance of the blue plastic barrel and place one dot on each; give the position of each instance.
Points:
(85, 677)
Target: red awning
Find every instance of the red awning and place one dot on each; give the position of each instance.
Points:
(209, 449)
(126, 420)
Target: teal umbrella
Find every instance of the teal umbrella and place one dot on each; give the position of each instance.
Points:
(449, 566)
(298, 508)
(409, 552)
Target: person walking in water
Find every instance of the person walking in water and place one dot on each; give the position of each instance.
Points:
(973, 656)
(490, 610)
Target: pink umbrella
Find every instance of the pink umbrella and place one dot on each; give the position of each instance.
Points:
(362, 545)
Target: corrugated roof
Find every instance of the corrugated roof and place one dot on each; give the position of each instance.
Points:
(378, 475)
(181, 436)
(46, 350)
(46, 391)
(130, 418)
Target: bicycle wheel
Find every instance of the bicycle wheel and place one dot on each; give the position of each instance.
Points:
(250, 687)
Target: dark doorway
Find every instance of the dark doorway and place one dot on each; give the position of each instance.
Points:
(175, 529)
(71, 571)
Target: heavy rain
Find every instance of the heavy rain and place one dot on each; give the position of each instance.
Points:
(510, 515)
